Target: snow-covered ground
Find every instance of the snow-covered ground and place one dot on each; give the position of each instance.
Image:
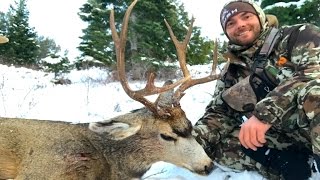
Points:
(25, 93)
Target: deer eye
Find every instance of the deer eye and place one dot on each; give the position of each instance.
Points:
(167, 138)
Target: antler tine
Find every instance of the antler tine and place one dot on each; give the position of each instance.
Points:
(211, 77)
(150, 88)
(181, 48)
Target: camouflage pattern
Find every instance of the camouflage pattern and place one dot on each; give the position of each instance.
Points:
(292, 107)
(243, 91)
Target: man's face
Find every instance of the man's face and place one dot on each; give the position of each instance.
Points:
(243, 28)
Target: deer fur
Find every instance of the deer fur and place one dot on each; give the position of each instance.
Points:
(120, 148)
(124, 147)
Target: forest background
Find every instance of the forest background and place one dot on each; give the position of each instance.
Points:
(149, 45)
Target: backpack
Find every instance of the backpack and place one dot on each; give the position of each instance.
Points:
(263, 80)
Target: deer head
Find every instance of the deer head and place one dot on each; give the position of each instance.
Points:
(164, 117)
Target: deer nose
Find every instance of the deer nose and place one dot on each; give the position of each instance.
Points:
(209, 168)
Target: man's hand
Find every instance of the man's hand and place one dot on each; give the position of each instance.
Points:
(252, 133)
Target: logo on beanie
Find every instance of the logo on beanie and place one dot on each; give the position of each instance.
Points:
(226, 14)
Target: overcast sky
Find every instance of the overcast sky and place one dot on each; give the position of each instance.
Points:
(58, 19)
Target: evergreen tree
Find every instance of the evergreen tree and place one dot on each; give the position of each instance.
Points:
(57, 64)
(148, 37)
(266, 3)
(22, 48)
(3, 23)
(308, 12)
(47, 47)
(3, 31)
(96, 41)
(200, 49)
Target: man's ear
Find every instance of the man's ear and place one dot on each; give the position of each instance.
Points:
(116, 130)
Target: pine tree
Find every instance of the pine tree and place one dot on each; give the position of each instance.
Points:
(308, 12)
(22, 48)
(3, 31)
(57, 64)
(3, 23)
(96, 39)
(148, 37)
(47, 47)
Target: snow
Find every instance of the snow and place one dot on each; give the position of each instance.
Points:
(25, 93)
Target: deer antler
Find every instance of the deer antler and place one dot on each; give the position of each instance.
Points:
(150, 88)
(181, 47)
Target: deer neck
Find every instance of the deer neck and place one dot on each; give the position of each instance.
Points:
(118, 155)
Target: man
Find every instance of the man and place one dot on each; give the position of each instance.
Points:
(265, 111)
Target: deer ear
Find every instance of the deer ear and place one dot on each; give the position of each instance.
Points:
(115, 129)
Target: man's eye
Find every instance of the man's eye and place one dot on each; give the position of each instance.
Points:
(229, 24)
(248, 16)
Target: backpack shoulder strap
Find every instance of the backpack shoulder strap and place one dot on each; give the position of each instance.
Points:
(293, 35)
(260, 80)
(269, 43)
(261, 56)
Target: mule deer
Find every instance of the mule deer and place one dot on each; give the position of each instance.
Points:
(123, 147)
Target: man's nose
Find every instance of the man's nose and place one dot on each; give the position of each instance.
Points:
(240, 24)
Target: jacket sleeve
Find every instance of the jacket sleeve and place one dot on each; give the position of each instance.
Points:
(305, 56)
(216, 123)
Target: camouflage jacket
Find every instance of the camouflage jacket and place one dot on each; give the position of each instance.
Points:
(303, 65)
